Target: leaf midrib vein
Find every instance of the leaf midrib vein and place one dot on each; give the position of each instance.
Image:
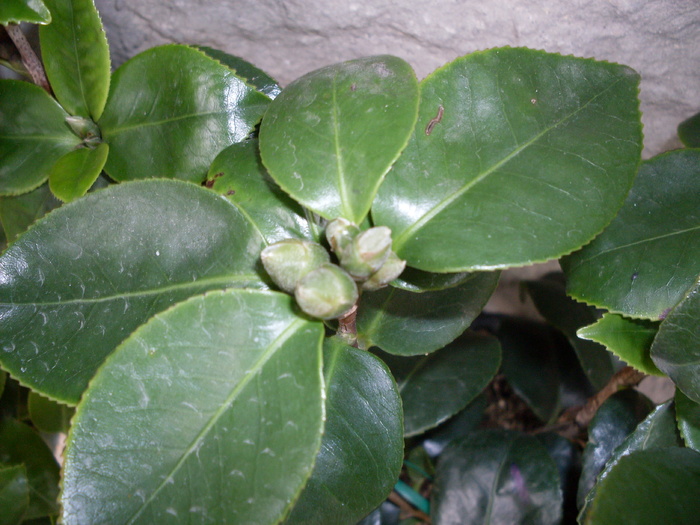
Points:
(117, 130)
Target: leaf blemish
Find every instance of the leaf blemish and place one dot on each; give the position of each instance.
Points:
(231, 192)
(435, 120)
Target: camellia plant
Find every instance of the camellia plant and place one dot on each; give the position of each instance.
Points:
(248, 304)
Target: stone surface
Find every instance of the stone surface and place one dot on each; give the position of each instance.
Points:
(288, 38)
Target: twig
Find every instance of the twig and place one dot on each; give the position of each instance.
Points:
(31, 62)
(347, 327)
(407, 509)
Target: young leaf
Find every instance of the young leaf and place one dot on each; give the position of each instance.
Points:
(330, 137)
(688, 415)
(75, 173)
(19, 212)
(171, 110)
(362, 447)
(14, 494)
(47, 415)
(31, 11)
(518, 156)
(85, 276)
(33, 136)
(644, 262)
(212, 411)
(418, 281)
(629, 339)
(406, 323)
(508, 477)
(76, 57)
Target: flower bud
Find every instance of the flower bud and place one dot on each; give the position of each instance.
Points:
(289, 260)
(367, 253)
(327, 292)
(340, 233)
(392, 268)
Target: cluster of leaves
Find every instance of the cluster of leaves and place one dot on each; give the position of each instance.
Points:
(202, 394)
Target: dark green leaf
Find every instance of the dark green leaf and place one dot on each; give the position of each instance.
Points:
(406, 323)
(238, 173)
(171, 110)
(210, 412)
(76, 56)
(84, 277)
(629, 339)
(614, 421)
(14, 494)
(49, 416)
(676, 349)
(330, 137)
(689, 131)
(435, 387)
(456, 427)
(645, 261)
(362, 446)
(650, 487)
(418, 281)
(688, 415)
(496, 476)
(33, 136)
(518, 156)
(567, 315)
(245, 70)
(75, 173)
(18, 213)
(567, 457)
(19, 444)
(16, 11)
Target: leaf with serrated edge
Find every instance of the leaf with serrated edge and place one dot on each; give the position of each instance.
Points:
(75, 173)
(31, 11)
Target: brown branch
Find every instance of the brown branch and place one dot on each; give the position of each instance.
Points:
(406, 508)
(31, 62)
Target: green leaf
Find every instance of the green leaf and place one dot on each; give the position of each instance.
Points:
(406, 323)
(33, 136)
(18, 213)
(330, 137)
(645, 261)
(567, 315)
(19, 444)
(518, 156)
(688, 415)
(462, 370)
(362, 447)
(76, 57)
(84, 277)
(650, 487)
(418, 281)
(14, 494)
(456, 427)
(238, 173)
(75, 173)
(676, 349)
(171, 110)
(567, 457)
(47, 415)
(613, 422)
(689, 131)
(496, 476)
(31, 11)
(629, 339)
(245, 70)
(212, 411)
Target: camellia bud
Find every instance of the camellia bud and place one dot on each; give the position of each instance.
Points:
(289, 260)
(392, 268)
(327, 292)
(84, 128)
(340, 233)
(367, 253)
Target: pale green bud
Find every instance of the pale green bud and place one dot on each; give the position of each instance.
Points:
(85, 128)
(327, 292)
(340, 233)
(289, 260)
(367, 253)
(392, 268)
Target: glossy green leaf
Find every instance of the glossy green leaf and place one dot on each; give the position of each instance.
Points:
(84, 277)
(19, 444)
(435, 387)
(238, 173)
(496, 476)
(613, 422)
(48, 415)
(31, 11)
(689, 131)
(567, 457)
(330, 137)
(456, 427)
(245, 70)
(406, 323)
(518, 156)
(212, 411)
(75, 173)
(14, 494)
(171, 110)
(650, 487)
(676, 349)
(362, 447)
(76, 56)
(629, 339)
(688, 415)
(33, 136)
(645, 261)
(567, 315)
(19, 212)
(418, 281)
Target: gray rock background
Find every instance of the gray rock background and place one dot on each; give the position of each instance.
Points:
(287, 38)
